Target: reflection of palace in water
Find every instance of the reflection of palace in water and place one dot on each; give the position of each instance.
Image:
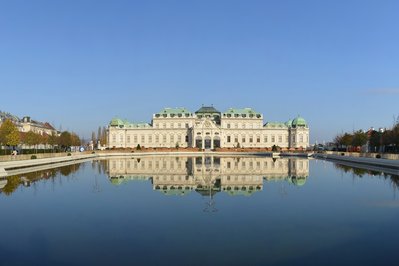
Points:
(208, 174)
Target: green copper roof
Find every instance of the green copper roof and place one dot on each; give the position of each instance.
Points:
(275, 125)
(298, 180)
(288, 123)
(179, 110)
(240, 192)
(137, 125)
(247, 111)
(126, 124)
(117, 180)
(116, 122)
(207, 110)
(299, 121)
(175, 192)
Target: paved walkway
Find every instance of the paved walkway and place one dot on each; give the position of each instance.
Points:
(360, 160)
(9, 165)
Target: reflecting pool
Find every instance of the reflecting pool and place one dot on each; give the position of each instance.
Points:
(204, 210)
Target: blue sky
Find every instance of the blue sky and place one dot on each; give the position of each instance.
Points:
(80, 63)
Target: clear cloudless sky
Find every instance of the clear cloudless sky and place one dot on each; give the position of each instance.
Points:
(78, 64)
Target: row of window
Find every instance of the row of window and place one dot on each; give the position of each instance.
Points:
(173, 115)
(243, 115)
(230, 164)
(242, 125)
(257, 139)
(150, 138)
(225, 125)
(229, 139)
(171, 125)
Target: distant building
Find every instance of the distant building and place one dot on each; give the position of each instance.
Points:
(27, 124)
(207, 128)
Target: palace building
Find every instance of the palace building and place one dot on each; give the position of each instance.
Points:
(208, 128)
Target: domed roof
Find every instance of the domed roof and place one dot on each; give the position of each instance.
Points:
(299, 122)
(288, 123)
(207, 110)
(116, 122)
(298, 180)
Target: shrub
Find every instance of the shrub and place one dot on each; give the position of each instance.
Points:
(33, 157)
(69, 154)
(275, 148)
(343, 154)
(93, 152)
(378, 156)
(138, 147)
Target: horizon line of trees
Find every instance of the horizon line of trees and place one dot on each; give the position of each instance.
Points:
(11, 137)
(377, 141)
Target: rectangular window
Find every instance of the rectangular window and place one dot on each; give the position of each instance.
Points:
(228, 125)
(228, 138)
(156, 138)
(273, 139)
(142, 139)
(280, 139)
(258, 139)
(135, 138)
(186, 138)
(149, 138)
(187, 125)
(243, 139)
(236, 139)
(251, 139)
(164, 138)
(128, 138)
(265, 139)
(113, 138)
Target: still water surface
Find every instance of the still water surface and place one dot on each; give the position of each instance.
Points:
(200, 211)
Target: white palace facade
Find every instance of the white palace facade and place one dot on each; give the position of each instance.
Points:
(208, 128)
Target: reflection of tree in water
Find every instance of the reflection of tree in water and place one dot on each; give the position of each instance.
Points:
(360, 172)
(13, 182)
(69, 169)
(102, 166)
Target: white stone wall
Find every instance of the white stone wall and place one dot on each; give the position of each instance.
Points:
(146, 137)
